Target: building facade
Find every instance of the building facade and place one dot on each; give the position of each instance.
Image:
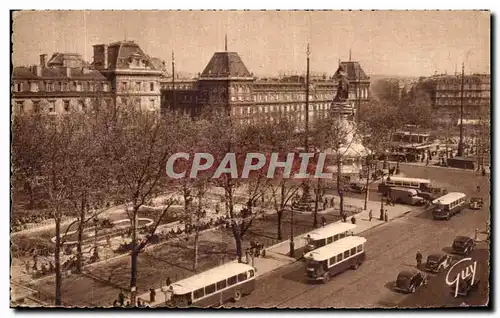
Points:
(226, 82)
(446, 95)
(121, 73)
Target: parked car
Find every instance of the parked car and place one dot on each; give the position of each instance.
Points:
(409, 281)
(438, 262)
(476, 203)
(463, 245)
(465, 286)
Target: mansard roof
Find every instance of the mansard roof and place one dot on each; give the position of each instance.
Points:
(353, 70)
(225, 64)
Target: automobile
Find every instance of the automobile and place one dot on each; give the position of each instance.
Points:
(428, 196)
(463, 245)
(465, 286)
(438, 262)
(409, 281)
(355, 188)
(476, 203)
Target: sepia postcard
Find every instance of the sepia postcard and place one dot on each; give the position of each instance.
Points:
(250, 159)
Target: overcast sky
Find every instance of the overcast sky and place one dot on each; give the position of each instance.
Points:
(386, 43)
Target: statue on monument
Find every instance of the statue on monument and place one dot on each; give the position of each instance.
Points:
(342, 88)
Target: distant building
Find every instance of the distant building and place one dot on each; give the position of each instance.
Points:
(120, 73)
(446, 94)
(226, 82)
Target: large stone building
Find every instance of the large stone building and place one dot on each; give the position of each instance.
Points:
(121, 73)
(446, 95)
(226, 82)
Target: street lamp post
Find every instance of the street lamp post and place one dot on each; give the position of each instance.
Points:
(382, 208)
(292, 244)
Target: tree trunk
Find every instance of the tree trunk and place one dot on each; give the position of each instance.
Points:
(79, 256)
(279, 218)
(133, 259)
(57, 261)
(280, 212)
(195, 256)
(237, 239)
(316, 203)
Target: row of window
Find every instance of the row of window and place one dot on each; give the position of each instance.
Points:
(50, 105)
(137, 86)
(457, 202)
(331, 239)
(458, 94)
(248, 110)
(470, 101)
(223, 284)
(404, 184)
(342, 256)
(60, 86)
(178, 86)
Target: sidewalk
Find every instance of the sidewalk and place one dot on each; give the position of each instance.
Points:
(434, 164)
(362, 222)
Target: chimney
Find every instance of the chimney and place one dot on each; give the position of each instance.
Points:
(101, 56)
(105, 56)
(37, 70)
(43, 60)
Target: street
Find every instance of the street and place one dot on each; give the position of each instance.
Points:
(390, 249)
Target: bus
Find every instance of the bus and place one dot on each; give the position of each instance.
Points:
(335, 258)
(422, 185)
(214, 287)
(448, 205)
(328, 234)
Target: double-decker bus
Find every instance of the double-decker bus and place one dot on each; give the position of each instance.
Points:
(328, 234)
(213, 287)
(335, 258)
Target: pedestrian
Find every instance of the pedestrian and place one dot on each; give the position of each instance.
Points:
(370, 215)
(152, 295)
(478, 188)
(344, 217)
(247, 255)
(386, 216)
(139, 303)
(483, 172)
(115, 303)
(27, 265)
(121, 298)
(419, 257)
(332, 202)
(168, 282)
(353, 220)
(323, 221)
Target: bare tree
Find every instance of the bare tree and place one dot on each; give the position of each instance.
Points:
(140, 143)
